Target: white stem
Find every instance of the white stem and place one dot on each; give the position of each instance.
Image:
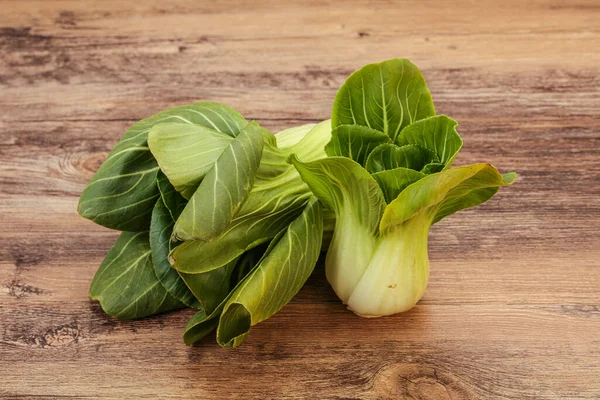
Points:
(397, 274)
(349, 253)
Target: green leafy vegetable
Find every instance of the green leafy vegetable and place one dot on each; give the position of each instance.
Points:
(437, 134)
(126, 284)
(276, 198)
(161, 229)
(211, 287)
(273, 282)
(377, 262)
(355, 142)
(389, 156)
(395, 151)
(225, 217)
(171, 198)
(224, 188)
(123, 192)
(394, 181)
(385, 97)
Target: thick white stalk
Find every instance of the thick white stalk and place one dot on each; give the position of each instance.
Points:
(397, 274)
(349, 254)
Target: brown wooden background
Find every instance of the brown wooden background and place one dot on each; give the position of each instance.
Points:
(512, 310)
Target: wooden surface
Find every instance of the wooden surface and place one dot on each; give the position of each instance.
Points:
(512, 310)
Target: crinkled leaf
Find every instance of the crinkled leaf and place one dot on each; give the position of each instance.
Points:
(355, 142)
(122, 193)
(386, 96)
(223, 189)
(444, 193)
(437, 134)
(126, 285)
(394, 181)
(161, 229)
(432, 168)
(389, 156)
(276, 279)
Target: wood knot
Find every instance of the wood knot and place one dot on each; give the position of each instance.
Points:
(411, 381)
(58, 336)
(92, 162)
(19, 290)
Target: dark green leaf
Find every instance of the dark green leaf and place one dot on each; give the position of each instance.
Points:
(174, 201)
(389, 156)
(210, 287)
(394, 181)
(432, 168)
(126, 284)
(122, 193)
(161, 229)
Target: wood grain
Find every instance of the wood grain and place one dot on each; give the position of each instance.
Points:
(513, 305)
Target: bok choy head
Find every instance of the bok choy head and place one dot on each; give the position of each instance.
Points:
(388, 179)
(206, 190)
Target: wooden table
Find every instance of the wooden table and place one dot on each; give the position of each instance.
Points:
(513, 305)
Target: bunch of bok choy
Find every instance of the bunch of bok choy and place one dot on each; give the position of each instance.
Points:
(221, 215)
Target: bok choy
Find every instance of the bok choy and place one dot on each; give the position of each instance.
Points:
(388, 179)
(220, 215)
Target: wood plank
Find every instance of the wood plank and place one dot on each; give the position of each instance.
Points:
(512, 309)
(446, 347)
